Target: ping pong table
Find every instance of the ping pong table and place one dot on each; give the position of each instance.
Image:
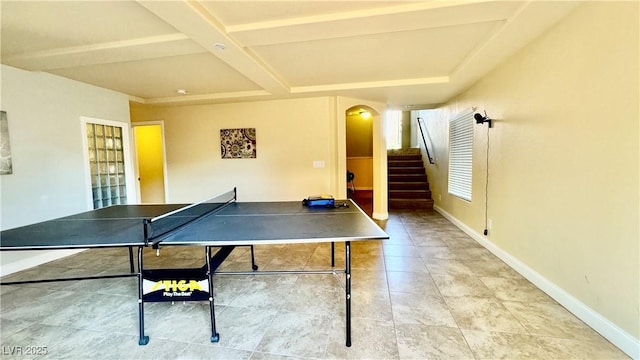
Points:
(220, 222)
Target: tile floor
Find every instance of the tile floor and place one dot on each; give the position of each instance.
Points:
(429, 292)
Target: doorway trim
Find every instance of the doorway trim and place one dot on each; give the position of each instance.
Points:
(380, 196)
(137, 163)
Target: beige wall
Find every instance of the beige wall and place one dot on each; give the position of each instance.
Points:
(291, 136)
(362, 168)
(50, 175)
(359, 136)
(563, 191)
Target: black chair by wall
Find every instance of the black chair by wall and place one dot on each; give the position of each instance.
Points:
(351, 188)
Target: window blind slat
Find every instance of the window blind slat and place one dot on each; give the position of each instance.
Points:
(461, 155)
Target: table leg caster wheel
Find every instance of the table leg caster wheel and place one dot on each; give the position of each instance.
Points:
(143, 340)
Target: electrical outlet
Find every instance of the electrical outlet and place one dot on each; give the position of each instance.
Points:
(489, 224)
(439, 197)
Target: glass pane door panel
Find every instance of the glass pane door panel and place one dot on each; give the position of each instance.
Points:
(106, 164)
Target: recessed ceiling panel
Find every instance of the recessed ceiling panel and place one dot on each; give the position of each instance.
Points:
(365, 23)
(389, 56)
(198, 74)
(42, 25)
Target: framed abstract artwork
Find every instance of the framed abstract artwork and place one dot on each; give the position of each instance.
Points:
(5, 148)
(238, 143)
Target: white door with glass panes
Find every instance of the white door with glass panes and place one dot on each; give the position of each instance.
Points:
(108, 162)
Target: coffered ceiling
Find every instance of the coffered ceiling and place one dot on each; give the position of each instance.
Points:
(418, 53)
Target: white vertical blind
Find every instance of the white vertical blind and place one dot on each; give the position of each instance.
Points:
(460, 154)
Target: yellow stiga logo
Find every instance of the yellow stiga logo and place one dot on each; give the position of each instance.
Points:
(175, 288)
(175, 285)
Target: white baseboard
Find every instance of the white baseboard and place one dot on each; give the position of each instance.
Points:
(38, 259)
(617, 336)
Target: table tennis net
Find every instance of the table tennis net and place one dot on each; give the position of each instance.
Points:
(166, 223)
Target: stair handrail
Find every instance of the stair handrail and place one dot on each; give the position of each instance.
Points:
(425, 141)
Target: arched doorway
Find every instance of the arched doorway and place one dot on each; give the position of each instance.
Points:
(359, 155)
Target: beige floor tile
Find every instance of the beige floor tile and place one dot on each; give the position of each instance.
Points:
(296, 334)
(420, 342)
(204, 352)
(473, 254)
(483, 314)
(430, 241)
(180, 321)
(364, 279)
(461, 285)
(393, 250)
(460, 241)
(410, 282)
(315, 299)
(374, 305)
(552, 320)
(492, 268)
(261, 294)
(267, 356)
(226, 288)
(370, 339)
(511, 289)
(495, 345)
(448, 267)
(577, 349)
(399, 238)
(421, 309)
(28, 304)
(411, 264)
(429, 253)
(242, 328)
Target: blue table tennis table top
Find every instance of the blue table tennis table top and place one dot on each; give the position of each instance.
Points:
(238, 223)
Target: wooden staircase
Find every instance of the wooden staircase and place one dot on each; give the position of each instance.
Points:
(408, 185)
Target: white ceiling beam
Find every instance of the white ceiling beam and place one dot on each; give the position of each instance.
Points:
(207, 98)
(352, 15)
(103, 53)
(370, 85)
(195, 21)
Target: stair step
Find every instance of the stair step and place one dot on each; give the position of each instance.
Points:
(407, 180)
(404, 157)
(405, 170)
(407, 177)
(409, 194)
(405, 163)
(408, 186)
(410, 204)
(406, 151)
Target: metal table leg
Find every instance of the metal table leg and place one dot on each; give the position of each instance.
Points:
(144, 340)
(347, 275)
(215, 337)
